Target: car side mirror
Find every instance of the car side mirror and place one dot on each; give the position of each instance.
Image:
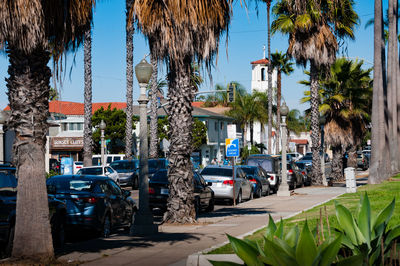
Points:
(209, 184)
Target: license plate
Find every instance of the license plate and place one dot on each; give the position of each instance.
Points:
(164, 191)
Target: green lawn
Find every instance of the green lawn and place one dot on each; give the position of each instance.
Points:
(379, 195)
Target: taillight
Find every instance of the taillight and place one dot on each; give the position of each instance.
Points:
(151, 190)
(303, 173)
(290, 172)
(87, 200)
(252, 180)
(228, 182)
(271, 177)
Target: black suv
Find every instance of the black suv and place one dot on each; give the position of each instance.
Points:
(8, 200)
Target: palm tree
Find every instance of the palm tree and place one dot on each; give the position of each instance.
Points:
(180, 38)
(281, 62)
(129, 30)
(313, 28)
(26, 27)
(87, 126)
(378, 169)
(220, 98)
(346, 95)
(245, 110)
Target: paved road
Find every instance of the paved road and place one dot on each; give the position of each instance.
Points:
(174, 243)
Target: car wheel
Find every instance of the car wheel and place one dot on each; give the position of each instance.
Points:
(268, 191)
(259, 192)
(239, 197)
(294, 185)
(10, 240)
(106, 230)
(132, 222)
(211, 205)
(251, 194)
(197, 207)
(135, 183)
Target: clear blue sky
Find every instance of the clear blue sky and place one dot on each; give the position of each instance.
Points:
(247, 35)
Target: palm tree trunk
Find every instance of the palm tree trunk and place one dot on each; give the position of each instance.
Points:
(245, 136)
(28, 94)
(251, 133)
(180, 207)
(129, 82)
(269, 80)
(352, 160)
(315, 135)
(153, 109)
(392, 86)
(87, 127)
(278, 108)
(377, 169)
(337, 163)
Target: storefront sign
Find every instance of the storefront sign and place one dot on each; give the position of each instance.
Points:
(66, 143)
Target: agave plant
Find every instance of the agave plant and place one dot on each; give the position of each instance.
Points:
(366, 234)
(293, 248)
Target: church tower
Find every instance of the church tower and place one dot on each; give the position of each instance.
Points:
(259, 75)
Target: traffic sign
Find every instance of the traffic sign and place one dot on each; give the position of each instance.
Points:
(232, 147)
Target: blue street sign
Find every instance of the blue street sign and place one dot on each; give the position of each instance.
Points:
(232, 147)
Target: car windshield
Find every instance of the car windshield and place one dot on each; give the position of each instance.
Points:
(249, 170)
(156, 164)
(90, 171)
(160, 176)
(266, 164)
(359, 155)
(302, 166)
(71, 185)
(7, 181)
(307, 157)
(217, 171)
(123, 166)
(78, 163)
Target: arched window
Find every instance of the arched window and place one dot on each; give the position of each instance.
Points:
(262, 74)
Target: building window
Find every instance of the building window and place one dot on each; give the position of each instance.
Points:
(216, 125)
(71, 126)
(80, 126)
(262, 74)
(222, 125)
(64, 127)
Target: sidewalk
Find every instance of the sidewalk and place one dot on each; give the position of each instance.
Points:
(175, 243)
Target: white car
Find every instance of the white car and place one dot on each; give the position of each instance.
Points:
(100, 170)
(296, 155)
(76, 166)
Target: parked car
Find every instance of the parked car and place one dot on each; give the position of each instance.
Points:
(109, 158)
(157, 164)
(307, 159)
(76, 166)
(367, 154)
(8, 200)
(7, 169)
(128, 172)
(294, 177)
(362, 161)
(295, 155)
(225, 186)
(270, 164)
(159, 193)
(305, 172)
(99, 170)
(93, 202)
(259, 179)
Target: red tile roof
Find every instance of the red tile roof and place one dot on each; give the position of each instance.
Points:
(299, 141)
(72, 108)
(197, 104)
(260, 62)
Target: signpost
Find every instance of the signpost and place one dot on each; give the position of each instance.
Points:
(232, 150)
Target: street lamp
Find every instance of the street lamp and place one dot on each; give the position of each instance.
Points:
(143, 224)
(322, 121)
(102, 128)
(284, 188)
(3, 118)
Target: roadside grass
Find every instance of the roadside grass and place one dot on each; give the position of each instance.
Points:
(379, 195)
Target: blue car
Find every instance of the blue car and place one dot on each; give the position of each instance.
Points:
(93, 202)
(259, 179)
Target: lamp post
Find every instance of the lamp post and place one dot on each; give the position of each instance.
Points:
(284, 188)
(143, 224)
(322, 121)
(102, 128)
(3, 119)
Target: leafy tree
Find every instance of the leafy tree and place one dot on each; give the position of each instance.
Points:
(313, 29)
(115, 129)
(199, 132)
(31, 32)
(53, 94)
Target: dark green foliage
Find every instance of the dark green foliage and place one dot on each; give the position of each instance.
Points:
(199, 132)
(115, 129)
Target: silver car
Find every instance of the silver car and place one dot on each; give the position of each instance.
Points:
(223, 184)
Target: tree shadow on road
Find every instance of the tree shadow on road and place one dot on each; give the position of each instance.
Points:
(232, 211)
